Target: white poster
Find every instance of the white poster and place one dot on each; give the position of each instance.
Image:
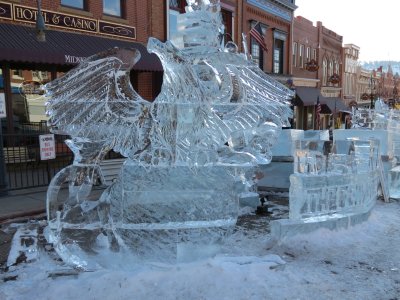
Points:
(3, 113)
(47, 146)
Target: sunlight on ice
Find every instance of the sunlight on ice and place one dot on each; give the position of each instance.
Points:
(190, 153)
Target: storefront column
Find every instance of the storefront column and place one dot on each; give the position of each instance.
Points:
(3, 182)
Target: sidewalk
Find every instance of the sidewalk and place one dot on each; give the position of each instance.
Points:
(23, 203)
(31, 202)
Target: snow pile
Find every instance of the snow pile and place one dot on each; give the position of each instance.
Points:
(362, 262)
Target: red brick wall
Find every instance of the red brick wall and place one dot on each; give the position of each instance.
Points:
(304, 32)
(147, 16)
(253, 13)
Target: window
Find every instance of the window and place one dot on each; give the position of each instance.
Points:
(74, 3)
(301, 56)
(324, 72)
(314, 54)
(308, 54)
(330, 69)
(113, 8)
(294, 54)
(256, 53)
(278, 56)
(279, 49)
(28, 101)
(336, 67)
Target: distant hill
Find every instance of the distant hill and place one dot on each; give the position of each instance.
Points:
(373, 65)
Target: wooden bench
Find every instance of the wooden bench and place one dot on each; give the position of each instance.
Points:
(16, 155)
(110, 169)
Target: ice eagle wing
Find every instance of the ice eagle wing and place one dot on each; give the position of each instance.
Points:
(96, 101)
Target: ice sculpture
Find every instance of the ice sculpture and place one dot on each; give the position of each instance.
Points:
(383, 124)
(189, 153)
(334, 185)
(338, 178)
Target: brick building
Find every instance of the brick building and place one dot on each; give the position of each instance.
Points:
(275, 17)
(317, 64)
(75, 29)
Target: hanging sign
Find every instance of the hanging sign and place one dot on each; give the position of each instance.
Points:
(47, 146)
(3, 113)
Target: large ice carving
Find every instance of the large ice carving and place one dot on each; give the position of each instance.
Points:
(383, 124)
(190, 153)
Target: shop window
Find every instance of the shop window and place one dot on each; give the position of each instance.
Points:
(114, 8)
(27, 96)
(294, 54)
(80, 4)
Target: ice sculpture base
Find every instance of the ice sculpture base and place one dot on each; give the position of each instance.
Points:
(157, 213)
(286, 228)
(163, 214)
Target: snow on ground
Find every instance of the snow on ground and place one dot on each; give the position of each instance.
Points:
(362, 262)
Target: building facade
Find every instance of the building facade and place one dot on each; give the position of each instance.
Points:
(276, 19)
(317, 75)
(350, 74)
(75, 29)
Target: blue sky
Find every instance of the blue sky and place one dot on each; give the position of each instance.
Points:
(371, 25)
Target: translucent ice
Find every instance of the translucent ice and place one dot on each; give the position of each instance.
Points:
(330, 179)
(190, 153)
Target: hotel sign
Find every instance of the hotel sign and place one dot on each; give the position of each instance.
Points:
(5, 11)
(54, 19)
(27, 14)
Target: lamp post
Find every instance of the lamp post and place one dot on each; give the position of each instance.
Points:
(40, 25)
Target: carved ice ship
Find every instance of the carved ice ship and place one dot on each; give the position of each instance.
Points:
(335, 184)
(190, 153)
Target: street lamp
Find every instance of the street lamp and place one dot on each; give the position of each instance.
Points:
(40, 25)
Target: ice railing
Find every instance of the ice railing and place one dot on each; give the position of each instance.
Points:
(333, 178)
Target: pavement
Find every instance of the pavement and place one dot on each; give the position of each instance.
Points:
(23, 204)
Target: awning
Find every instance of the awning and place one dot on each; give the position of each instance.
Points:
(18, 44)
(309, 96)
(336, 105)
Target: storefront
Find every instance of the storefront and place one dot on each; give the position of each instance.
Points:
(333, 110)
(27, 64)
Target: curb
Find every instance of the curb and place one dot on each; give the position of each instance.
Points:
(22, 215)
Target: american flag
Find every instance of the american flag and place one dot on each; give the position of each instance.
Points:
(256, 33)
(318, 114)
